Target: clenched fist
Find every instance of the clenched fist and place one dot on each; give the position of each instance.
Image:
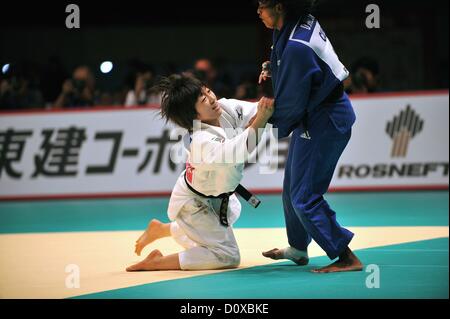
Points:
(265, 73)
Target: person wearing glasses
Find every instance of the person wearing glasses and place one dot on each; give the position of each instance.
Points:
(310, 103)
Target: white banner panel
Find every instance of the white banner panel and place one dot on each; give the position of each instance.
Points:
(399, 141)
(97, 152)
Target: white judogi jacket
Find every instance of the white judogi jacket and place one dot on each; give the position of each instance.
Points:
(211, 167)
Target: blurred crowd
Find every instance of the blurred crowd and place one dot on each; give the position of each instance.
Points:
(51, 86)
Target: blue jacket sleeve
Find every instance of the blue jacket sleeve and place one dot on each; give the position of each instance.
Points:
(294, 86)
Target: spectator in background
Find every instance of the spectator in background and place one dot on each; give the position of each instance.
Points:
(53, 75)
(247, 89)
(207, 72)
(364, 76)
(78, 91)
(19, 89)
(143, 92)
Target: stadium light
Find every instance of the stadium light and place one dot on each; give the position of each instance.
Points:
(5, 68)
(106, 67)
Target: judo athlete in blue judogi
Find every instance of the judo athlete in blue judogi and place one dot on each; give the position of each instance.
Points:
(310, 103)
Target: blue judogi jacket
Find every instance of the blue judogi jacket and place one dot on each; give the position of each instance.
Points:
(305, 70)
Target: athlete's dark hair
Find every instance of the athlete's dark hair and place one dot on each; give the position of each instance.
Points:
(179, 94)
(293, 9)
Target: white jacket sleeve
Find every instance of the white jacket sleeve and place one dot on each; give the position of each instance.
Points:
(242, 111)
(211, 150)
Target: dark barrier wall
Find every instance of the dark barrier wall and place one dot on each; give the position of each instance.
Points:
(411, 46)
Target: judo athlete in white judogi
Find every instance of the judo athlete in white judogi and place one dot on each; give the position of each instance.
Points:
(203, 206)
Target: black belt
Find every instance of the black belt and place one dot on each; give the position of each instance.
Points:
(241, 190)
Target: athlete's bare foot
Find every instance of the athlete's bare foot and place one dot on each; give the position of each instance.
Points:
(276, 254)
(149, 263)
(154, 231)
(347, 262)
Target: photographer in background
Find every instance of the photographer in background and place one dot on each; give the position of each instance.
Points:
(142, 94)
(364, 77)
(19, 89)
(79, 91)
(247, 89)
(212, 74)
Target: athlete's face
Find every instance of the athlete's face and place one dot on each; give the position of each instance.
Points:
(270, 16)
(208, 109)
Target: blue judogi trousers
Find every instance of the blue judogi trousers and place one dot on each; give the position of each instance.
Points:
(308, 173)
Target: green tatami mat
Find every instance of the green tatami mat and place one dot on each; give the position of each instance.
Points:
(412, 270)
(353, 209)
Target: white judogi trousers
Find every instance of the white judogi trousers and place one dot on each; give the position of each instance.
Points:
(208, 244)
